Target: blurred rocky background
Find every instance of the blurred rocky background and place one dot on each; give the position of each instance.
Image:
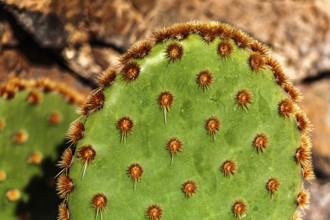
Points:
(73, 41)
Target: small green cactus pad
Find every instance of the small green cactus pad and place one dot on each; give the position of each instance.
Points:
(199, 123)
(34, 116)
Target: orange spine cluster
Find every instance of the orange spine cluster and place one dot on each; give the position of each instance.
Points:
(15, 84)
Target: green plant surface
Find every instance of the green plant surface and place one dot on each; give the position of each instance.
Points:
(185, 117)
(28, 161)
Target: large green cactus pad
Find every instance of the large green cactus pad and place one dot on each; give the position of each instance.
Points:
(201, 125)
(34, 126)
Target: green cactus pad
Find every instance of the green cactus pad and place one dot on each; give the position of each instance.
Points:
(34, 117)
(200, 123)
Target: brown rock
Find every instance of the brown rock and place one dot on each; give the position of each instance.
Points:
(74, 26)
(7, 36)
(320, 202)
(316, 104)
(34, 5)
(300, 40)
(89, 61)
(46, 29)
(15, 62)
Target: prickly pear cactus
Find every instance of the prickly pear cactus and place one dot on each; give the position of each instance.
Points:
(198, 123)
(34, 116)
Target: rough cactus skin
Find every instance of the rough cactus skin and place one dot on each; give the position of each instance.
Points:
(240, 188)
(27, 159)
